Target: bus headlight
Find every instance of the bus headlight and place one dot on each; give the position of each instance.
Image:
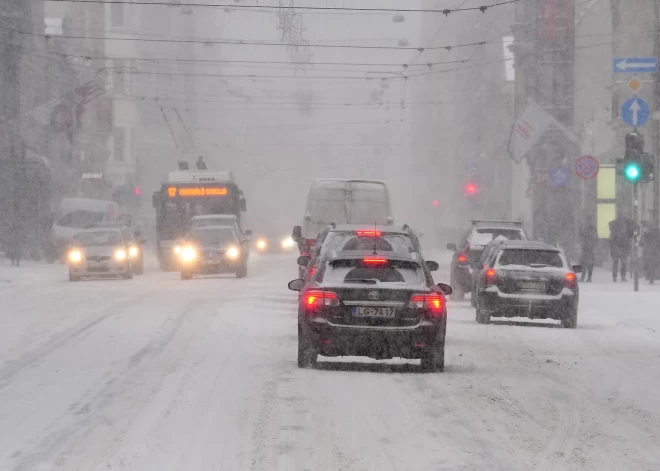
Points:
(288, 243)
(233, 253)
(188, 254)
(75, 256)
(262, 244)
(120, 255)
(133, 251)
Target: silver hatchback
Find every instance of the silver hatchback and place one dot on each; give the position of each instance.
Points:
(99, 253)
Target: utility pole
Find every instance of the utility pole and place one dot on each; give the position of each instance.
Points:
(655, 219)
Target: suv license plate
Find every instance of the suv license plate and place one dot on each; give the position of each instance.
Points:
(368, 311)
(533, 285)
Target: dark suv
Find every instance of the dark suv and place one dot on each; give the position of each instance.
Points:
(472, 244)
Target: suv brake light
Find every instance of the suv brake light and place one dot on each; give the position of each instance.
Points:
(490, 277)
(316, 299)
(462, 258)
(369, 233)
(374, 261)
(570, 280)
(433, 303)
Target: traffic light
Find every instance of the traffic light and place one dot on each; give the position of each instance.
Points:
(471, 188)
(638, 167)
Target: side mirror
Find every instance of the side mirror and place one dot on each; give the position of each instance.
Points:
(296, 285)
(477, 266)
(433, 266)
(297, 234)
(452, 247)
(445, 288)
(577, 268)
(248, 232)
(303, 260)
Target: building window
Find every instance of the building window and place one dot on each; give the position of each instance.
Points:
(117, 15)
(120, 144)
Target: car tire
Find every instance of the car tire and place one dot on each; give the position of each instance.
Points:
(473, 298)
(139, 268)
(570, 322)
(186, 275)
(307, 356)
(73, 277)
(434, 361)
(128, 275)
(481, 317)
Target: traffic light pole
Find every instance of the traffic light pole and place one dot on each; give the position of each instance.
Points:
(635, 258)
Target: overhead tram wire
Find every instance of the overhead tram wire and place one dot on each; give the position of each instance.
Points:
(444, 11)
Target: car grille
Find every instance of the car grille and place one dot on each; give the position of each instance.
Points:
(98, 258)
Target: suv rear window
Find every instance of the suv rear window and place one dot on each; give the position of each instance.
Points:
(353, 271)
(483, 235)
(531, 258)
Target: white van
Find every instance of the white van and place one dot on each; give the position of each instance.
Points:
(341, 201)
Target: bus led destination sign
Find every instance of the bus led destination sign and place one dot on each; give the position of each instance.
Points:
(195, 192)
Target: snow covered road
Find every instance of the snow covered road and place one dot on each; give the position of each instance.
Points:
(160, 374)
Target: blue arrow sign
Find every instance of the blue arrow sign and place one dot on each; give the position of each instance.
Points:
(636, 64)
(635, 112)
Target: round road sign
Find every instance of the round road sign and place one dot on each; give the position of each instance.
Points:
(587, 167)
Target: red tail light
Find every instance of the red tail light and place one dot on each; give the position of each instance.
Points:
(312, 270)
(462, 258)
(433, 303)
(490, 277)
(316, 299)
(570, 280)
(369, 233)
(374, 261)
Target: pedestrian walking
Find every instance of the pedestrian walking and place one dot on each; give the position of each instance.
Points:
(650, 243)
(588, 244)
(622, 231)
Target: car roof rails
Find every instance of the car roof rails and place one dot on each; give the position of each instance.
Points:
(497, 221)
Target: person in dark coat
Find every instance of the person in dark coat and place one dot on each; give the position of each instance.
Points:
(650, 243)
(588, 244)
(622, 231)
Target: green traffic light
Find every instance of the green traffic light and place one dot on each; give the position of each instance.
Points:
(632, 172)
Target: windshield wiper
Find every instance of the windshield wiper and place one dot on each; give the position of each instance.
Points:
(539, 265)
(366, 281)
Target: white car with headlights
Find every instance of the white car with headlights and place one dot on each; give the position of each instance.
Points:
(283, 244)
(212, 250)
(102, 252)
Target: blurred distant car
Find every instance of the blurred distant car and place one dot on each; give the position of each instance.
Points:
(469, 249)
(99, 252)
(528, 279)
(274, 244)
(381, 306)
(400, 239)
(213, 250)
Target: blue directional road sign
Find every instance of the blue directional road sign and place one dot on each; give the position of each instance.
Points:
(636, 64)
(635, 112)
(558, 176)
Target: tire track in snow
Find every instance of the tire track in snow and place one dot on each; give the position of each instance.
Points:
(14, 367)
(82, 417)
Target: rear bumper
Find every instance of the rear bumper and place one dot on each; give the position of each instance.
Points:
(545, 307)
(380, 343)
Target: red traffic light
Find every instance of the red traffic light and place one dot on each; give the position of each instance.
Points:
(471, 188)
(436, 203)
(137, 191)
